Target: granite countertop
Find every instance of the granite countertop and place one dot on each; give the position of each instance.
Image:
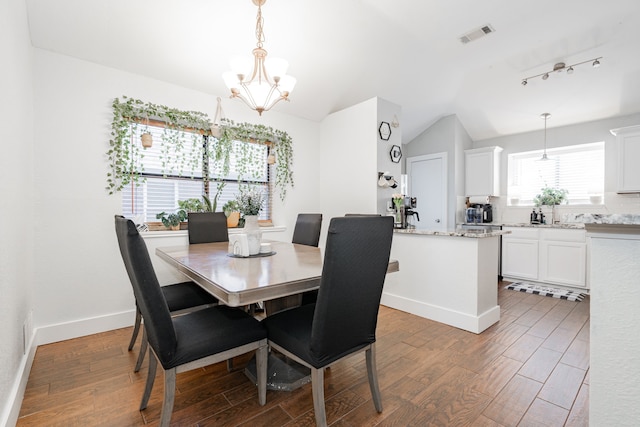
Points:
(577, 226)
(458, 232)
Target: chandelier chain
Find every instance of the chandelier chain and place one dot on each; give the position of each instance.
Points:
(259, 27)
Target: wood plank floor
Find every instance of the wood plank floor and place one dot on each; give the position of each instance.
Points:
(530, 369)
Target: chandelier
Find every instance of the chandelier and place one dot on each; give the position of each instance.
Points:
(260, 83)
(561, 66)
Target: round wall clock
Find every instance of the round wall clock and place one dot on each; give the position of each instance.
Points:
(385, 131)
(395, 153)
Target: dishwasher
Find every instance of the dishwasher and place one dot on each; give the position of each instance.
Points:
(488, 227)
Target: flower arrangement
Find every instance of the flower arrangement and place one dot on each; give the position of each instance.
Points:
(398, 200)
(551, 197)
(250, 201)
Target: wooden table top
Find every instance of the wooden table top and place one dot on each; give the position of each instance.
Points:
(293, 269)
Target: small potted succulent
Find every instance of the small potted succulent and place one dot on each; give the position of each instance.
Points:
(172, 221)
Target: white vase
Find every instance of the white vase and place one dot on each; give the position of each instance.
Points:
(254, 235)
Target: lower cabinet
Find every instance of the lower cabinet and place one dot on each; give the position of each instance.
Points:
(554, 256)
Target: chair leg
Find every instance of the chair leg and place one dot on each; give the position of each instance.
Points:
(262, 355)
(136, 328)
(151, 376)
(143, 350)
(317, 388)
(169, 397)
(372, 372)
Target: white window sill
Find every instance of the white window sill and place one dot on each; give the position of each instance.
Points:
(169, 233)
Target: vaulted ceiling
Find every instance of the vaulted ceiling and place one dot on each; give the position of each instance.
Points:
(343, 52)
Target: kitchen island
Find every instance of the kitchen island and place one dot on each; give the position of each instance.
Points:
(615, 343)
(446, 276)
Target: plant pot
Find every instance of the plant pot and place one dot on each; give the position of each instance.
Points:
(233, 219)
(174, 227)
(147, 140)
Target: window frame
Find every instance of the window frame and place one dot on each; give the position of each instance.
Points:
(136, 208)
(522, 194)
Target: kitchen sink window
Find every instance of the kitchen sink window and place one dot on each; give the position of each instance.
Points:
(161, 192)
(576, 168)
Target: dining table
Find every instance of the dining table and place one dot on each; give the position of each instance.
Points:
(277, 278)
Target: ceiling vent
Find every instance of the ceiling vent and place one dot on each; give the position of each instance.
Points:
(477, 33)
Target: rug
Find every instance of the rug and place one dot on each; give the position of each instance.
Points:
(545, 291)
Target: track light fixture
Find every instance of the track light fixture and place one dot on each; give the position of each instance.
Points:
(561, 66)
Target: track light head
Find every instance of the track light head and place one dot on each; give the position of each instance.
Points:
(545, 76)
(524, 82)
(596, 64)
(570, 70)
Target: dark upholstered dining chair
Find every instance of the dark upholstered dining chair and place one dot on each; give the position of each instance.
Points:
(307, 229)
(307, 232)
(190, 341)
(343, 320)
(207, 227)
(181, 298)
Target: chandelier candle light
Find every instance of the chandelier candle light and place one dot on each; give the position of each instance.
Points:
(267, 83)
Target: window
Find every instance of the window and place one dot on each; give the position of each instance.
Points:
(167, 179)
(577, 168)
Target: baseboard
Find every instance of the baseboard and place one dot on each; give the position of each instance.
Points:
(475, 324)
(80, 328)
(10, 413)
(54, 333)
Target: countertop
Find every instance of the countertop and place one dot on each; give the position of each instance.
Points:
(458, 232)
(570, 225)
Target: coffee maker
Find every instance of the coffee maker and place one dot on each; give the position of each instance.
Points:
(404, 218)
(478, 213)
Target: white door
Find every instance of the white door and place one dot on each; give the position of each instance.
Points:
(427, 182)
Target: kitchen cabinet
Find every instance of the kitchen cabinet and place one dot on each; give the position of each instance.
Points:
(628, 146)
(546, 255)
(563, 257)
(520, 253)
(482, 171)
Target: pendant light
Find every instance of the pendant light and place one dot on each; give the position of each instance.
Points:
(259, 82)
(545, 116)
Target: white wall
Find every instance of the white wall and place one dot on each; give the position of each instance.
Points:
(16, 196)
(562, 136)
(386, 112)
(447, 135)
(79, 272)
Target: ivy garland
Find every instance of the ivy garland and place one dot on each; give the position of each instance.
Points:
(125, 154)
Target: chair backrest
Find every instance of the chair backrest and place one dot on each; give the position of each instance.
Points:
(156, 315)
(207, 227)
(352, 214)
(307, 229)
(355, 265)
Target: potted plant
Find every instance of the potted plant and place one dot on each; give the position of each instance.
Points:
(172, 221)
(551, 197)
(250, 201)
(232, 212)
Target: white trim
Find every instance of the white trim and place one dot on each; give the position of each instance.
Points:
(475, 324)
(83, 327)
(11, 411)
(169, 233)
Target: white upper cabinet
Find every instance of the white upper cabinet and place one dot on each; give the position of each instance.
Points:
(482, 171)
(628, 144)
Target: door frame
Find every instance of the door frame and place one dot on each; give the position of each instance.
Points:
(445, 195)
